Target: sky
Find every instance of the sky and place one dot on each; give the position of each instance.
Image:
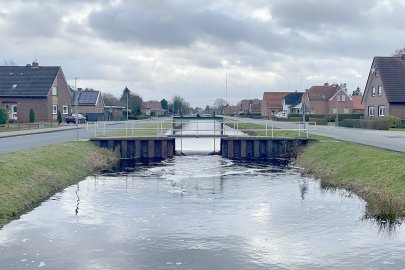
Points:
(201, 49)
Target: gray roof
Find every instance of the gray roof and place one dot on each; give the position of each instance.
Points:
(392, 72)
(26, 81)
(88, 97)
(293, 98)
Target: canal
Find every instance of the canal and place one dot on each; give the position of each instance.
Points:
(201, 212)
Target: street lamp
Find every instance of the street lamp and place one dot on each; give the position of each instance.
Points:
(337, 111)
(127, 104)
(77, 109)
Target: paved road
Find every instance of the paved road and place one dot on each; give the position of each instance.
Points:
(28, 139)
(391, 140)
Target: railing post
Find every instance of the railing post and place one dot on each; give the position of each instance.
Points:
(126, 129)
(237, 129)
(197, 127)
(104, 128)
(299, 129)
(95, 129)
(272, 130)
(307, 129)
(266, 129)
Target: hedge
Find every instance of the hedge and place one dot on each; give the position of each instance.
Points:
(379, 124)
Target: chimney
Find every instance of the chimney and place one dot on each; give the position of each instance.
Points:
(35, 64)
(326, 84)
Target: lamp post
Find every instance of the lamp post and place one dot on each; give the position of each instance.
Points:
(337, 111)
(127, 103)
(77, 109)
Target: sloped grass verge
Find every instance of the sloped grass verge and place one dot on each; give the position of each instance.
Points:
(376, 175)
(32, 176)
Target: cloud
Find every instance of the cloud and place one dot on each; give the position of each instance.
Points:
(160, 48)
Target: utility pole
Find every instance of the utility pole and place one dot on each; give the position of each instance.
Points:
(77, 110)
(127, 102)
(337, 111)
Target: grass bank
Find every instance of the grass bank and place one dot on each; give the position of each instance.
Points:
(31, 176)
(376, 175)
(143, 131)
(259, 130)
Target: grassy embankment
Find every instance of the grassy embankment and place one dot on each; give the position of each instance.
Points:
(143, 131)
(259, 130)
(376, 175)
(28, 177)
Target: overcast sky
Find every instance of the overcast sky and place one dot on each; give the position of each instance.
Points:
(162, 48)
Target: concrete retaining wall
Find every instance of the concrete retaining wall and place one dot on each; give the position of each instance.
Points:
(251, 148)
(146, 149)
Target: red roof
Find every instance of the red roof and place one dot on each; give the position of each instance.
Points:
(357, 103)
(273, 100)
(320, 92)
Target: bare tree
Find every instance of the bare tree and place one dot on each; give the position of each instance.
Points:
(399, 52)
(9, 63)
(110, 99)
(219, 105)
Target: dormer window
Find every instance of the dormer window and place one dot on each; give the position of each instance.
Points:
(54, 91)
(14, 85)
(373, 91)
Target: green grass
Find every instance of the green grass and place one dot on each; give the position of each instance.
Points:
(397, 129)
(31, 176)
(144, 131)
(25, 126)
(377, 175)
(257, 130)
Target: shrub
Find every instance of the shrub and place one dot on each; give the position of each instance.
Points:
(379, 124)
(394, 121)
(3, 116)
(59, 118)
(32, 116)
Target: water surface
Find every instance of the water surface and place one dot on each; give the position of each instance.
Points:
(200, 212)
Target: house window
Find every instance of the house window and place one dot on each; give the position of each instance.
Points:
(54, 91)
(381, 110)
(379, 91)
(346, 110)
(338, 97)
(343, 98)
(371, 111)
(65, 109)
(373, 91)
(54, 109)
(334, 110)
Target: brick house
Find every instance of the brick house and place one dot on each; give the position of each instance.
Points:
(272, 103)
(357, 106)
(385, 89)
(292, 103)
(152, 108)
(327, 100)
(90, 101)
(41, 88)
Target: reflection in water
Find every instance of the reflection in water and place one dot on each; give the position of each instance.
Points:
(200, 212)
(78, 199)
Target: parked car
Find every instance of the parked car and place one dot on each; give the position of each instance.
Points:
(72, 118)
(281, 115)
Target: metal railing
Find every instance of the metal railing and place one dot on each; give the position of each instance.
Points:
(176, 128)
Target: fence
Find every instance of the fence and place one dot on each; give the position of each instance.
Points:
(177, 128)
